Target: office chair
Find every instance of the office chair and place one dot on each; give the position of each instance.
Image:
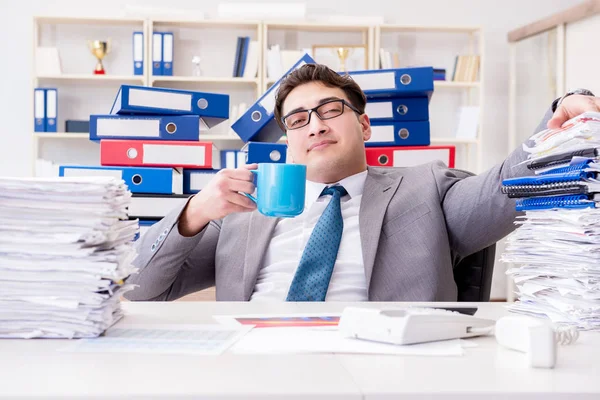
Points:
(473, 274)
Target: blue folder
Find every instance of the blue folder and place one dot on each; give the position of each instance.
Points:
(257, 152)
(212, 107)
(400, 82)
(258, 124)
(544, 179)
(398, 109)
(195, 180)
(232, 158)
(547, 203)
(139, 180)
(39, 110)
(409, 133)
(138, 127)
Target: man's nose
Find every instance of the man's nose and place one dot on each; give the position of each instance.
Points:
(316, 125)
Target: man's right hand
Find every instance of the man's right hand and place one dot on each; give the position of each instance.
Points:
(218, 199)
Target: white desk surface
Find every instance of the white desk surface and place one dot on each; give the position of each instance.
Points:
(34, 369)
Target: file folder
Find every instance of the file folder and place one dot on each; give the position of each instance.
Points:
(194, 180)
(555, 202)
(144, 226)
(51, 109)
(409, 156)
(212, 107)
(410, 133)
(156, 153)
(39, 110)
(130, 127)
(157, 50)
(157, 206)
(232, 159)
(167, 56)
(400, 82)
(256, 152)
(139, 180)
(570, 180)
(258, 124)
(561, 159)
(138, 53)
(398, 109)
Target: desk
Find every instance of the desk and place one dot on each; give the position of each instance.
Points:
(34, 369)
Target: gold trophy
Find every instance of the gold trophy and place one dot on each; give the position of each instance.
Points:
(343, 53)
(99, 49)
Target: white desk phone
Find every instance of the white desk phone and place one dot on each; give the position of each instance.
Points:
(403, 326)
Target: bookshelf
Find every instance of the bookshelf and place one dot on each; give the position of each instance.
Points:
(81, 93)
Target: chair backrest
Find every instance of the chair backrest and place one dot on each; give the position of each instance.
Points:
(473, 274)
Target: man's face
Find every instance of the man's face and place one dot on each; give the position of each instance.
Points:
(332, 149)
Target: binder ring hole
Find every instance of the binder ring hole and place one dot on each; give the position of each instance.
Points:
(136, 179)
(383, 159)
(171, 128)
(256, 116)
(275, 155)
(402, 109)
(132, 153)
(202, 104)
(50, 122)
(404, 134)
(405, 79)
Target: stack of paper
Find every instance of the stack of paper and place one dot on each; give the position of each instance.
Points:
(65, 251)
(557, 243)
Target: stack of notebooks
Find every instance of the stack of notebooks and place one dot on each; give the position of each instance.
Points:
(557, 243)
(398, 108)
(65, 251)
(152, 139)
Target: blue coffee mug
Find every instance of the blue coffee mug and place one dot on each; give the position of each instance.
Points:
(280, 189)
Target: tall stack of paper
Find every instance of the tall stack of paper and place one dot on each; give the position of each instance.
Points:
(65, 251)
(557, 243)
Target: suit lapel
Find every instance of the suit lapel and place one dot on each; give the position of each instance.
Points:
(379, 189)
(259, 236)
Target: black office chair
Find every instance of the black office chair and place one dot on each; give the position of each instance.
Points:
(473, 274)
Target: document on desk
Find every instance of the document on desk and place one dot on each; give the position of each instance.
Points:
(319, 340)
(163, 339)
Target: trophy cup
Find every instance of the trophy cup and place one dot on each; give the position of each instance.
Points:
(100, 50)
(343, 53)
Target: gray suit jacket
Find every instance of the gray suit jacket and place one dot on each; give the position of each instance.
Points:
(413, 223)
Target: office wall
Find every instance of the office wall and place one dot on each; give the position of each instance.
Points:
(496, 17)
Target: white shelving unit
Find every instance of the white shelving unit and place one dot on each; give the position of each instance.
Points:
(216, 40)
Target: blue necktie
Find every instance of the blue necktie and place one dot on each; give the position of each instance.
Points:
(316, 265)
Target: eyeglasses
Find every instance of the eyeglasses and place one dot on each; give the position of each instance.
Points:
(328, 110)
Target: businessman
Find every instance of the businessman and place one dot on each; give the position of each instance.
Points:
(366, 234)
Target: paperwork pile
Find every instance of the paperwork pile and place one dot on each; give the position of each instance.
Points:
(557, 243)
(65, 251)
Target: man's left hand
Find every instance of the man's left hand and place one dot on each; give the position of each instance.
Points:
(571, 107)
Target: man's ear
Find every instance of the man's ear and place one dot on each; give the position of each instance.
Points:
(365, 125)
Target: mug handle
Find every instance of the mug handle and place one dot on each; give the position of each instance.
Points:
(255, 172)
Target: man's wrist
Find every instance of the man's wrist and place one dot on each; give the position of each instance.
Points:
(556, 103)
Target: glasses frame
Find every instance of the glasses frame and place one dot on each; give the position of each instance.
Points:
(314, 109)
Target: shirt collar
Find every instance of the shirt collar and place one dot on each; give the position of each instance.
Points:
(353, 184)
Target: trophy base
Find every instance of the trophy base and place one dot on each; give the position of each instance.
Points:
(96, 72)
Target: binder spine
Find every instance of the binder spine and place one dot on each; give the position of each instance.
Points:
(550, 178)
(570, 168)
(547, 203)
(561, 159)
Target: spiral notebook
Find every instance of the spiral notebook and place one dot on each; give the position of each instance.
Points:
(561, 159)
(562, 202)
(575, 179)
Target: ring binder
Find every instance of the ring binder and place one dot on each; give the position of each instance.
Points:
(547, 203)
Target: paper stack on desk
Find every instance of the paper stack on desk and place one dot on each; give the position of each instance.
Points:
(557, 243)
(65, 251)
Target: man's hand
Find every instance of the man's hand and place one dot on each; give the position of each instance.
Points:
(218, 199)
(571, 107)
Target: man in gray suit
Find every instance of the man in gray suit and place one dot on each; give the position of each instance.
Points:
(401, 227)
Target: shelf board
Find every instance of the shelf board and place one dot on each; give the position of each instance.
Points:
(426, 28)
(204, 79)
(207, 23)
(457, 85)
(88, 20)
(318, 26)
(450, 140)
(92, 78)
(61, 135)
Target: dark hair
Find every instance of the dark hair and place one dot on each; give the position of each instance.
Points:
(321, 73)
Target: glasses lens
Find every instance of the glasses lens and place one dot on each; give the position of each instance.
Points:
(331, 109)
(296, 120)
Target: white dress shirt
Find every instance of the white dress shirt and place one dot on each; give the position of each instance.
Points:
(348, 281)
